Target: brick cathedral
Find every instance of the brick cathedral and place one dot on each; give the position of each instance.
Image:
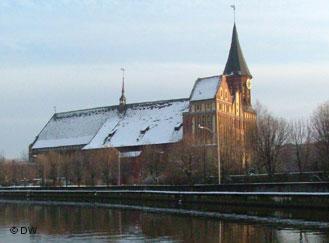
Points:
(217, 114)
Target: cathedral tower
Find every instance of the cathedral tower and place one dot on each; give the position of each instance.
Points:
(237, 72)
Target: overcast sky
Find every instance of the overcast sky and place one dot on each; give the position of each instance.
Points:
(68, 54)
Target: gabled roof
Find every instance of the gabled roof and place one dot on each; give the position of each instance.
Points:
(71, 128)
(236, 63)
(205, 88)
(143, 123)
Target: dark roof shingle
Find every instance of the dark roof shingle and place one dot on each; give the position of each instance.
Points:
(236, 63)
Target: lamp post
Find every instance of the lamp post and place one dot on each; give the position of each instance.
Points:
(218, 150)
(119, 168)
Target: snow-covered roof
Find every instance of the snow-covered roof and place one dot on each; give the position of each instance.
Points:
(205, 88)
(143, 123)
(71, 128)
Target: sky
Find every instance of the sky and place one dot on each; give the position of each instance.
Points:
(68, 54)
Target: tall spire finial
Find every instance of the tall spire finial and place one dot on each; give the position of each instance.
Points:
(123, 80)
(122, 106)
(233, 6)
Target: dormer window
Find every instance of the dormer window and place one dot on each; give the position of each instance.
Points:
(145, 130)
(111, 134)
(178, 126)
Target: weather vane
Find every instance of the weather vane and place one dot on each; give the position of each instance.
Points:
(233, 7)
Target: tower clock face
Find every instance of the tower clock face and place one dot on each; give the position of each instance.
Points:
(248, 84)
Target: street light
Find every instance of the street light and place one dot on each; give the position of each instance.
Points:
(218, 150)
(119, 168)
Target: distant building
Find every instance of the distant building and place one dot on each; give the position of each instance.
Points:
(221, 104)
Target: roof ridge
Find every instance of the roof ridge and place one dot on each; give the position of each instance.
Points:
(214, 76)
(116, 106)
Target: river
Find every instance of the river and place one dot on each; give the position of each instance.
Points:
(76, 223)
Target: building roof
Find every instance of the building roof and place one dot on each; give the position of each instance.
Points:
(205, 88)
(71, 128)
(236, 63)
(145, 123)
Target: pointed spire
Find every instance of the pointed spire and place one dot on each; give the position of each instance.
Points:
(236, 63)
(122, 105)
(123, 87)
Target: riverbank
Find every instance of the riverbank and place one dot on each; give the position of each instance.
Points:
(322, 186)
(140, 197)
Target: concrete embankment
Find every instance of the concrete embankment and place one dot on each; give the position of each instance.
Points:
(268, 199)
(236, 187)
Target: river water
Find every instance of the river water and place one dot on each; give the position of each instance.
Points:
(76, 223)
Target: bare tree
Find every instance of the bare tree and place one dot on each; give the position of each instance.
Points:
(232, 151)
(300, 135)
(267, 139)
(153, 164)
(77, 162)
(42, 164)
(106, 159)
(2, 174)
(320, 126)
(65, 167)
(24, 156)
(184, 162)
(2, 156)
(100, 166)
(54, 162)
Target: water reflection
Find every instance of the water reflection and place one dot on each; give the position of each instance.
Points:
(74, 224)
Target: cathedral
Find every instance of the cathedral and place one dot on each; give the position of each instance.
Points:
(217, 114)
